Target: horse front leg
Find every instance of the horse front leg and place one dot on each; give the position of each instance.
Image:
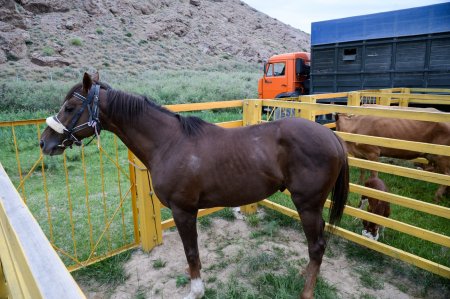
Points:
(186, 223)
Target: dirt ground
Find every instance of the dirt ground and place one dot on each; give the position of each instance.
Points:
(224, 245)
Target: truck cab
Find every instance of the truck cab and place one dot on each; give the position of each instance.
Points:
(285, 75)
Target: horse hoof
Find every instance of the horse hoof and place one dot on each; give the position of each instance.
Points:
(197, 289)
(367, 234)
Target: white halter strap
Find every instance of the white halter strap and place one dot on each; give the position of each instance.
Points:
(54, 123)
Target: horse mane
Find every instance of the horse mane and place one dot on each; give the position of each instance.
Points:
(129, 108)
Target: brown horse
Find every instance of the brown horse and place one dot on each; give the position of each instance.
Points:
(376, 206)
(195, 164)
(396, 128)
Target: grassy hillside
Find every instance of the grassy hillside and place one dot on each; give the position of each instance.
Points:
(29, 99)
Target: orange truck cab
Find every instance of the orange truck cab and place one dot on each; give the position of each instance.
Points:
(285, 75)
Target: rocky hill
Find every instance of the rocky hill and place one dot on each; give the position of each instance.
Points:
(63, 37)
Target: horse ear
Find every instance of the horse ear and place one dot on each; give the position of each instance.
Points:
(96, 77)
(87, 82)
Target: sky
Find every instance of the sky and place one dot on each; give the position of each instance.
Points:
(300, 13)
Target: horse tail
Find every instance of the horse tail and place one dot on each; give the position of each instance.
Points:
(339, 193)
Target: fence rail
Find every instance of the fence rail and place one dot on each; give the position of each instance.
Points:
(305, 107)
(135, 215)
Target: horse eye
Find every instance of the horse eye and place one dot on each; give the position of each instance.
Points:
(68, 109)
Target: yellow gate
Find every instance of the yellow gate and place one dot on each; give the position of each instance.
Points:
(86, 214)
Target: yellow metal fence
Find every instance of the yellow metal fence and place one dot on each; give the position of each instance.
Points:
(89, 216)
(75, 203)
(306, 107)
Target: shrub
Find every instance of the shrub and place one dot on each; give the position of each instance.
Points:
(48, 51)
(76, 42)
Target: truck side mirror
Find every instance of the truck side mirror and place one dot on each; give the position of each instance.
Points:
(301, 68)
(265, 67)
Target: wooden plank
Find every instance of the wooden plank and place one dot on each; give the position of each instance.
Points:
(375, 245)
(33, 265)
(428, 90)
(148, 208)
(307, 113)
(3, 286)
(402, 201)
(393, 252)
(427, 97)
(251, 116)
(166, 224)
(324, 96)
(414, 100)
(397, 225)
(204, 106)
(415, 115)
(282, 209)
(134, 208)
(398, 144)
(17, 287)
(204, 212)
(417, 174)
(22, 122)
(398, 200)
(231, 124)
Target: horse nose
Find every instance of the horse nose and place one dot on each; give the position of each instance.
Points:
(41, 143)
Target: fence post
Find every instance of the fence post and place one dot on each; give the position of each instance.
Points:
(133, 170)
(251, 116)
(404, 101)
(149, 209)
(386, 100)
(307, 113)
(354, 99)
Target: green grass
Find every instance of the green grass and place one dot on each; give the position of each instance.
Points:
(252, 220)
(109, 272)
(181, 280)
(23, 99)
(272, 273)
(158, 264)
(374, 269)
(226, 213)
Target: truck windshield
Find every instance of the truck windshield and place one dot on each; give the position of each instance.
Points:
(275, 69)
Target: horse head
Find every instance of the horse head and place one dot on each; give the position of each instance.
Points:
(77, 118)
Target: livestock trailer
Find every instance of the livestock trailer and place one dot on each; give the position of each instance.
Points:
(403, 48)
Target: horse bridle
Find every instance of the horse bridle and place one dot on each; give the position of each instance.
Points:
(91, 102)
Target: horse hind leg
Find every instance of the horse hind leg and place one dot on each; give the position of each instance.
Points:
(186, 223)
(313, 225)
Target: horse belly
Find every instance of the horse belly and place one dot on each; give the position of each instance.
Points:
(399, 154)
(241, 190)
